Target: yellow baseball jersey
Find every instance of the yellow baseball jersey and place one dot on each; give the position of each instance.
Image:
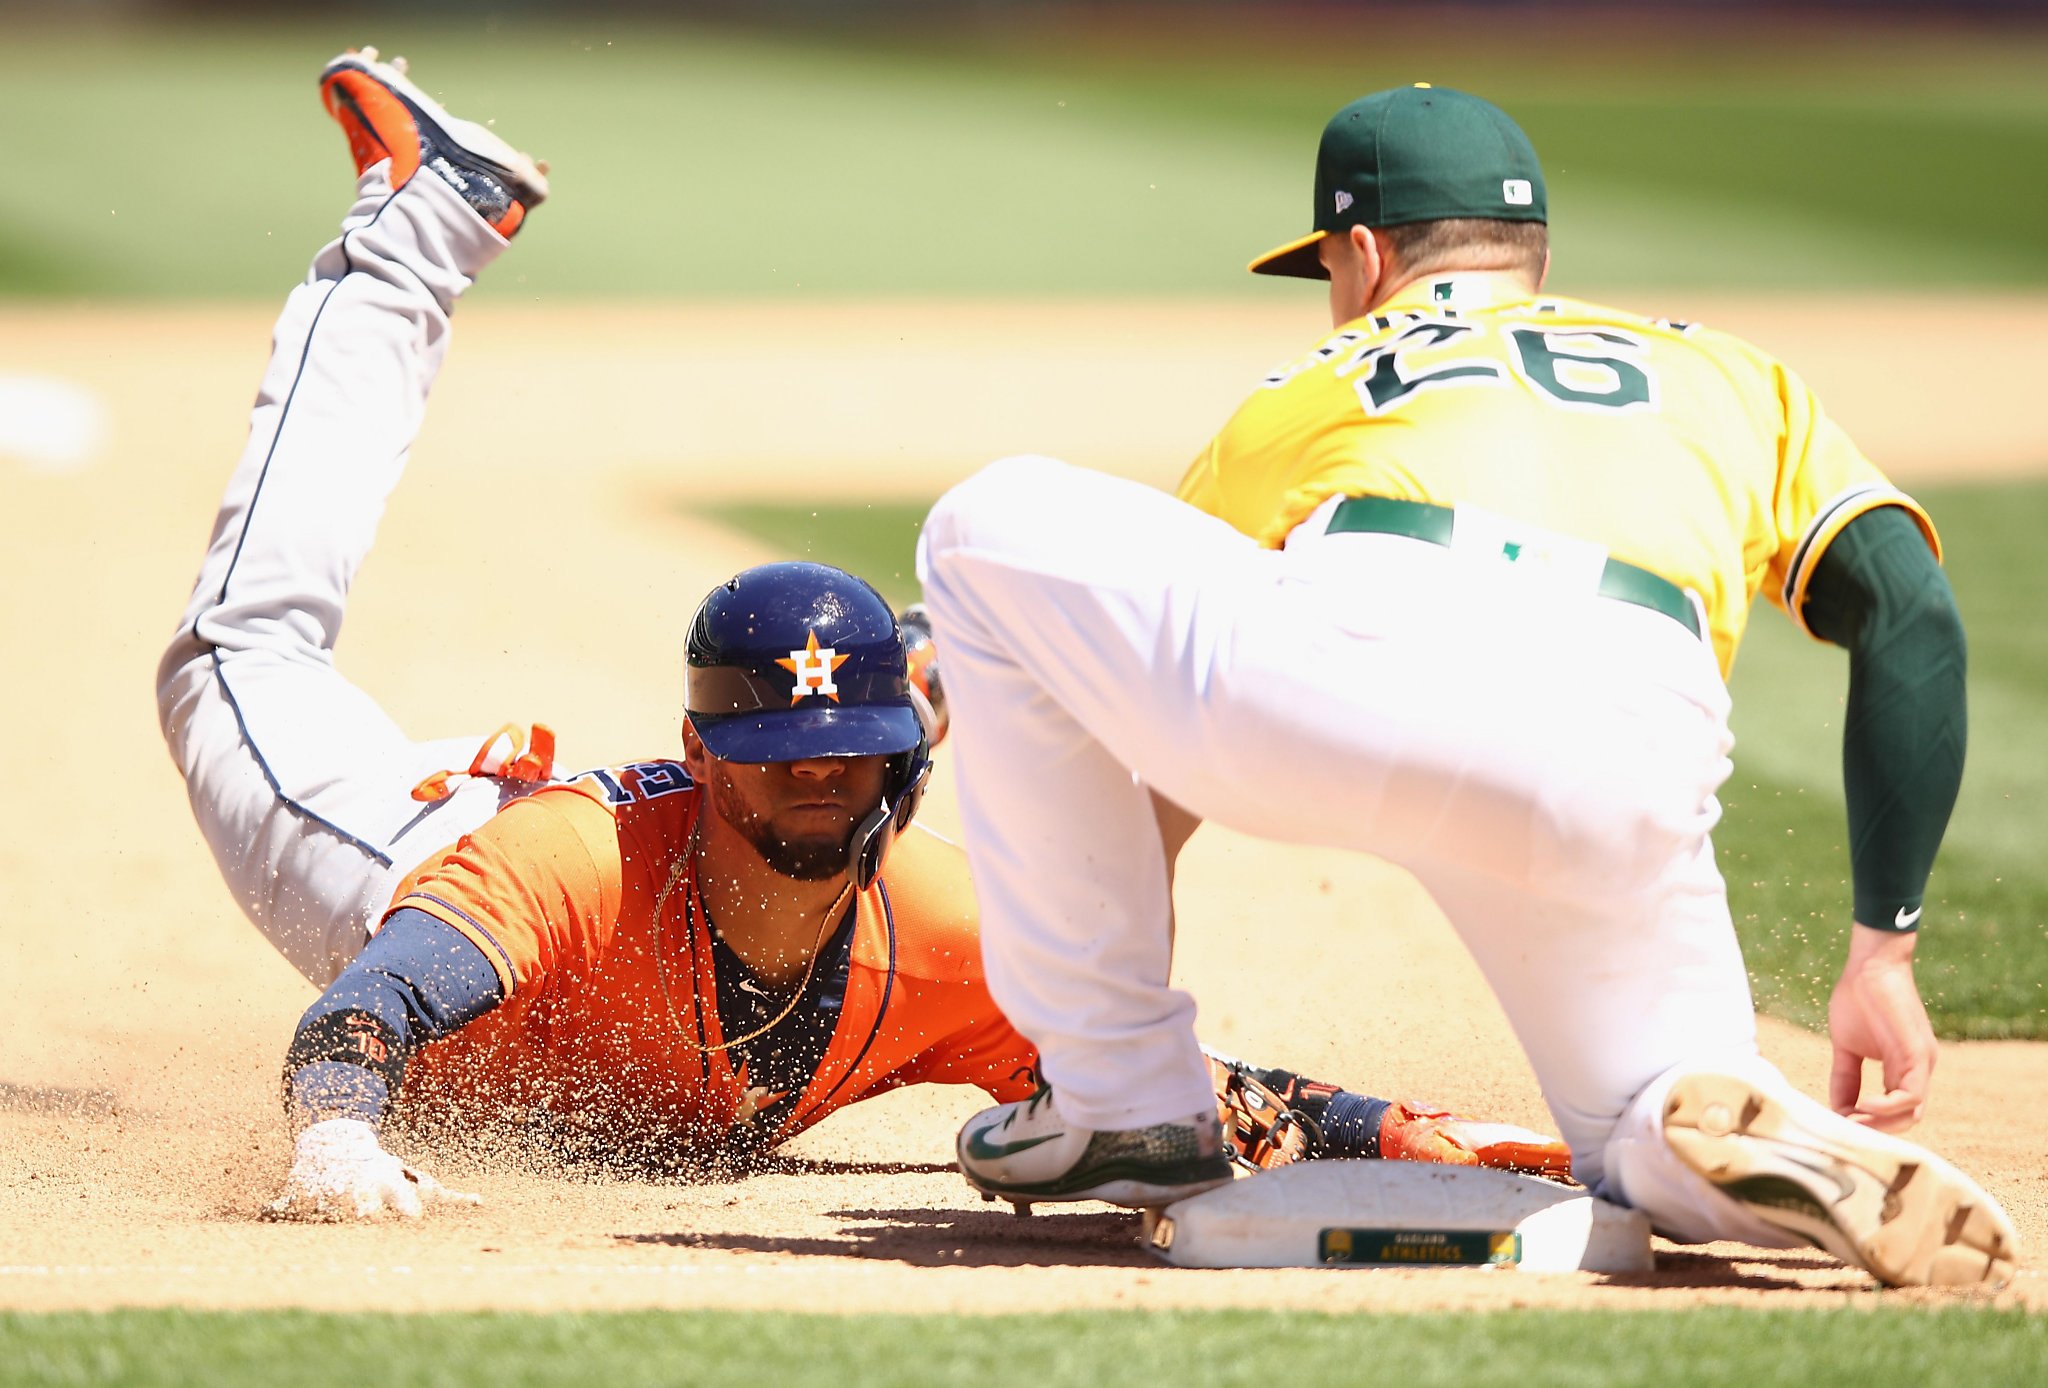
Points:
(1684, 451)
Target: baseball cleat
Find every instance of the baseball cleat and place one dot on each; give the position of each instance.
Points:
(1877, 1201)
(1026, 1153)
(386, 117)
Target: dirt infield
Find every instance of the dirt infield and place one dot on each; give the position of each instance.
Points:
(540, 563)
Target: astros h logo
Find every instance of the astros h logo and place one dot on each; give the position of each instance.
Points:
(813, 667)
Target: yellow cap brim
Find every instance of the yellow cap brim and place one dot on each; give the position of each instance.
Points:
(1297, 259)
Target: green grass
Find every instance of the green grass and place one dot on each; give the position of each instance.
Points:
(1983, 958)
(1719, 1346)
(1026, 158)
(877, 540)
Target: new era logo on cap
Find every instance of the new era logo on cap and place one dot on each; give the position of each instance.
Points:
(1343, 199)
(1516, 192)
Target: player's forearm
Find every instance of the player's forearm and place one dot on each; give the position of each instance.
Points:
(1879, 593)
(1905, 729)
(417, 980)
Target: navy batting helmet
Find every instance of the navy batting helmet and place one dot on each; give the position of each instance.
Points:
(790, 661)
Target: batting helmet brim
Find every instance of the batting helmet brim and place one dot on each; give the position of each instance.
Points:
(827, 730)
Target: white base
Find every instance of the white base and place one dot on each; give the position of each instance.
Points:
(1399, 1214)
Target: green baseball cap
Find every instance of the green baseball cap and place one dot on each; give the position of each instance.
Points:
(1415, 154)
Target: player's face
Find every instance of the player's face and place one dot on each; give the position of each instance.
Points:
(798, 815)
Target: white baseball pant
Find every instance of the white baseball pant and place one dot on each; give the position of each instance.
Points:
(1543, 760)
(300, 782)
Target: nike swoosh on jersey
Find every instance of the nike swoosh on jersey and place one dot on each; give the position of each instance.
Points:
(981, 1149)
(1905, 921)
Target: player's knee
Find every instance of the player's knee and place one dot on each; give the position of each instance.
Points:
(976, 513)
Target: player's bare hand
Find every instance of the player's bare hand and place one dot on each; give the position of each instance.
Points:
(1876, 1014)
(339, 1171)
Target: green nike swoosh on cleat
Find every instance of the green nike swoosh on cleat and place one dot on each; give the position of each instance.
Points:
(981, 1149)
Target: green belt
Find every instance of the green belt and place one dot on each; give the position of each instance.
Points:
(1419, 520)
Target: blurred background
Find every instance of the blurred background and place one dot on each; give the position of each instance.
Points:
(808, 261)
(854, 147)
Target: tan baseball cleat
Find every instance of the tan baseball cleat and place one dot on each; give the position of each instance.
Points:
(1877, 1201)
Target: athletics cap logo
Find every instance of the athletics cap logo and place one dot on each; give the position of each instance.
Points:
(813, 667)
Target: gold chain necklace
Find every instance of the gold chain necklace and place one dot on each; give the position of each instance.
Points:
(675, 875)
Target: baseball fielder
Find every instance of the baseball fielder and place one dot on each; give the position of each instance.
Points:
(1460, 587)
(591, 958)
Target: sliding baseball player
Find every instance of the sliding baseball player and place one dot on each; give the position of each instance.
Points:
(687, 958)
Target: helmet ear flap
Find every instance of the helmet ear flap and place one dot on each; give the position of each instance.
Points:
(871, 840)
(902, 793)
(916, 776)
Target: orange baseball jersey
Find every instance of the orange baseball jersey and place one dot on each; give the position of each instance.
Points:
(1684, 451)
(584, 898)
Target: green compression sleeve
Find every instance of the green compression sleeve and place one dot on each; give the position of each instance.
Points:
(1879, 592)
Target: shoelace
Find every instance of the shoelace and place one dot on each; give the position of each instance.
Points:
(1040, 1092)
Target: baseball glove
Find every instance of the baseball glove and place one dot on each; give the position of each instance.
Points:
(1273, 1117)
(1263, 1128)
(923, 658)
